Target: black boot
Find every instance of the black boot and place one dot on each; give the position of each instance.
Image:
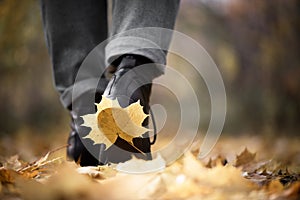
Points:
(128, 85)
(76, 150)
(121, 150)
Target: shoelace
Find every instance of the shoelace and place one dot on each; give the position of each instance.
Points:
(154, 127)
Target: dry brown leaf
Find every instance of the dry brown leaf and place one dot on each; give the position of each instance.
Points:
(244, 158)
(7, 175)
(275, 186)
(213, 162)
(292, 192)
(65, 184)
(35, 168)
(189, 179)
(34, 165)
(111, 121)
(15, 170)
(186, 178)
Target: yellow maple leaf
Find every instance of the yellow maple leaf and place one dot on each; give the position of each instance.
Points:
(111, 121)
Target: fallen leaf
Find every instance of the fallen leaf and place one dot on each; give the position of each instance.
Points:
(275, 186)
(292, 192)
(111, 121)
(65, 184)
(186, 178)
(41, 162)
(6, 175)
(213, 162)
(244, 158)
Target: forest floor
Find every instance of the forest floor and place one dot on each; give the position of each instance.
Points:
(33, 166)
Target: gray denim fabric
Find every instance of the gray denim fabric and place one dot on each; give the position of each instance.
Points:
(133, 14)
(74, 27)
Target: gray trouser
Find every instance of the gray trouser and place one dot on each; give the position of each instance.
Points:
(74, 27)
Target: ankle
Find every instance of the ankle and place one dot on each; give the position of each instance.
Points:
(138, 60)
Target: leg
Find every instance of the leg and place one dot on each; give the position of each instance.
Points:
(72, 28)
(132, 50)
(132, 14)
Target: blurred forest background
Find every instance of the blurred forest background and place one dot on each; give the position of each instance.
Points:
(254, 43)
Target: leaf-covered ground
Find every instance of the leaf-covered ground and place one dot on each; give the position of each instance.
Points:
(245, 167)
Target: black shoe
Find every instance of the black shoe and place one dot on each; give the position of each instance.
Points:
(121, 151)
(76, 150)
(128, 85)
